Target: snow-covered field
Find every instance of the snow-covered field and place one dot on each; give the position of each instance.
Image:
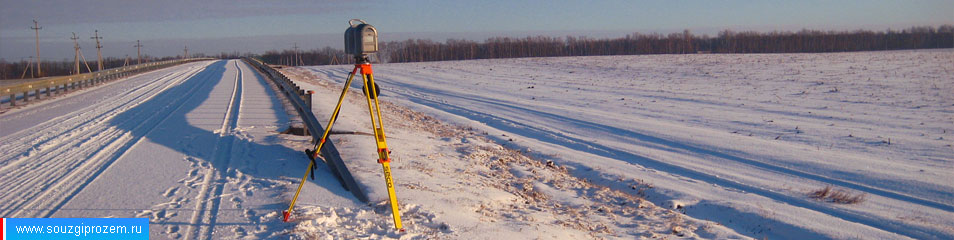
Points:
(741, 140)
(696, 146)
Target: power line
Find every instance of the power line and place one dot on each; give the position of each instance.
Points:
(36, 28)
(76, 55)
(138, 52)
(99, 52)
(297, 60)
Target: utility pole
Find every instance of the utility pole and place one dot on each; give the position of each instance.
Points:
(138, 52)
(76, 55)
(27, 68)
(297, 59)
(186, 55)
(36, 28)
(99, 52)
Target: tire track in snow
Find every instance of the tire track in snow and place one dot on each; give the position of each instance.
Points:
(95, 149)
(210, 196)
(69, 126)
(37, 184)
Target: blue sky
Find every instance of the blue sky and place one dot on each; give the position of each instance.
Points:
(214, 26)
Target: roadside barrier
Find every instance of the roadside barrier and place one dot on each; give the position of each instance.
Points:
(80, 81)
(301, 101)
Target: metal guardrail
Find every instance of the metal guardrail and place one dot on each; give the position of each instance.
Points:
(83, 80)
(301, 100)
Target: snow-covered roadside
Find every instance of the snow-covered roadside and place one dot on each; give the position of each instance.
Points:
(739, 139)
(453, 182)
(194, 148)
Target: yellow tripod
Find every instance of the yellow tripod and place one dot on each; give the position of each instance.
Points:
(371, 92)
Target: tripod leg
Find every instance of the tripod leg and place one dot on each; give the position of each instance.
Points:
(377, 124)
(334, 115)
(318, 145)
(287, 213)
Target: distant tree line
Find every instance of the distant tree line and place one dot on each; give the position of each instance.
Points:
(419, 50)
(804, 41)
(14, 70)
(324, 56)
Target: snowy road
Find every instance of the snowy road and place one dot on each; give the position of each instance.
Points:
(45, 145)
(194, 148)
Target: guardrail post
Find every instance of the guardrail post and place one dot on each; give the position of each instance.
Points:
(36, 93)
(13, 99)
(47, 91)
(26, 96)
(307, 97)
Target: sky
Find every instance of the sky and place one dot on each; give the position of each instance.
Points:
(214, 26)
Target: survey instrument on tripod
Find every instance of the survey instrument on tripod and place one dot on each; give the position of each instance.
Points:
(361, 40)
